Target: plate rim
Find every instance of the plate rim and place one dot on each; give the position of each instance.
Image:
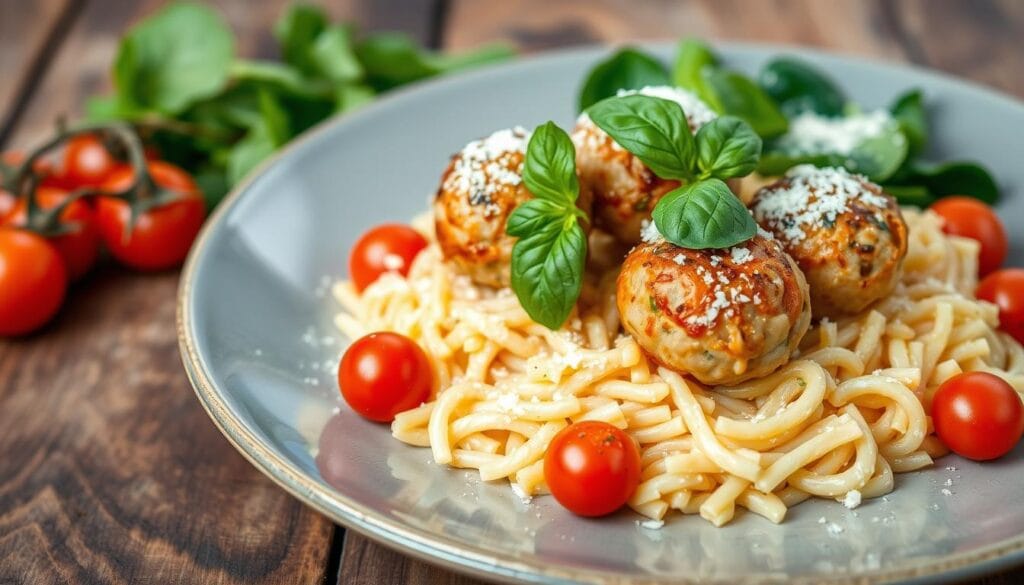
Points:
(439, 549)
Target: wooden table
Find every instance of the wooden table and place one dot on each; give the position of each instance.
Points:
(110, 470)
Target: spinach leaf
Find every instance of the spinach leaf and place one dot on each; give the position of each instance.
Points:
(173, 59)
(950, 178)
(741, 97)
(392, 59)
(627, 69)
(880, 156)
(549, 255)
(908, 110)
(704, 215)
(727, 147)
(653, 129)
(692, 59)
(798, 87)
(297, 31)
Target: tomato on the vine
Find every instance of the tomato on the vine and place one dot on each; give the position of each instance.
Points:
(385, 248)
(978, 415)
(33, 281)
(87, 162)
(592, 468)
(1005, 289)
(970, 218)
(383, 374)
(79, 247)
(161, 236)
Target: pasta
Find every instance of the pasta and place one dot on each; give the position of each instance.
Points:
(845, 414)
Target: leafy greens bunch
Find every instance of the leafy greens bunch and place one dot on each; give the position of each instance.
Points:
(785, 88)
(178, 80)
(549, 256)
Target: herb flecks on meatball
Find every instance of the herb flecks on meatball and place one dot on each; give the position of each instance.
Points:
(721, 316)
(845, 233)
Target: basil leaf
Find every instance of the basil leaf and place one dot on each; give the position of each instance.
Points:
(653, 129)
(549, 170)
(392, 59)
(533, 216)
(798, 87)
(626, 69)
(692, 58)
(908, 110)
(297, 31)
(727, 147)
(547, 270)
(703, 215)
(173, 59)
(952, 178)
(741, 97)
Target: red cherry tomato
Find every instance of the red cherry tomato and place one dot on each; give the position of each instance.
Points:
(161, 236)
(33, 282)
(978, 415)
(592, 468)
(87, 163)
(1005, 288)
(383, 374)
(973, 219)
(388, 247)
(80, 247)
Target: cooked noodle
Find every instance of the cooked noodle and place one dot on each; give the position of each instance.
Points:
(844, 415)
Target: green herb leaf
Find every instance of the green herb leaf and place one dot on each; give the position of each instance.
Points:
(692, 59)
(297, 31)
(628, 68)
(174, 58)
(532, 216)
(353, 95)
(547, 270)
(798, 87)
(951, 178)
(880, 156)
(268, 134)
(741, 97)
(653, 129)
(392, 59)
(908, 110)
(911, 195)
(334, 57)
(704, 215)
(727, 147)
(549, 170)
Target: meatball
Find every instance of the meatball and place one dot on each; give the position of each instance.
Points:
(479, 190)
(846, 235)
(721, 316)
(624, 189)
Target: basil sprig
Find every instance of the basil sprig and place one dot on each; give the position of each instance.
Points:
(702, 213)
(548, 257)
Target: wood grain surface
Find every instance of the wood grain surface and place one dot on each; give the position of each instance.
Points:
(112, 473)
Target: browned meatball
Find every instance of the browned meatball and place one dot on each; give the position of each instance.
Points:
(721, 316)
(846, 234)
(624, 189)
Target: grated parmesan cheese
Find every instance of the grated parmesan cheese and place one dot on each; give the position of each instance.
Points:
(482, 166)
(812, 198)
(852, 499)
(811, 133)
(649, 232)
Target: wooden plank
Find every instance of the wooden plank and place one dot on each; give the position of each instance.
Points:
(112, 472)
(367, 563)
(26, 30)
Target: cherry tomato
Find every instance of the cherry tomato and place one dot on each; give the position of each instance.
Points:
(383, 374)
(978, 415)
(161, 236)
(87, 163)
(80, 247)
(388, 247)
(1005, 288)
(33, 281)
(973, 219)
(592, 468)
